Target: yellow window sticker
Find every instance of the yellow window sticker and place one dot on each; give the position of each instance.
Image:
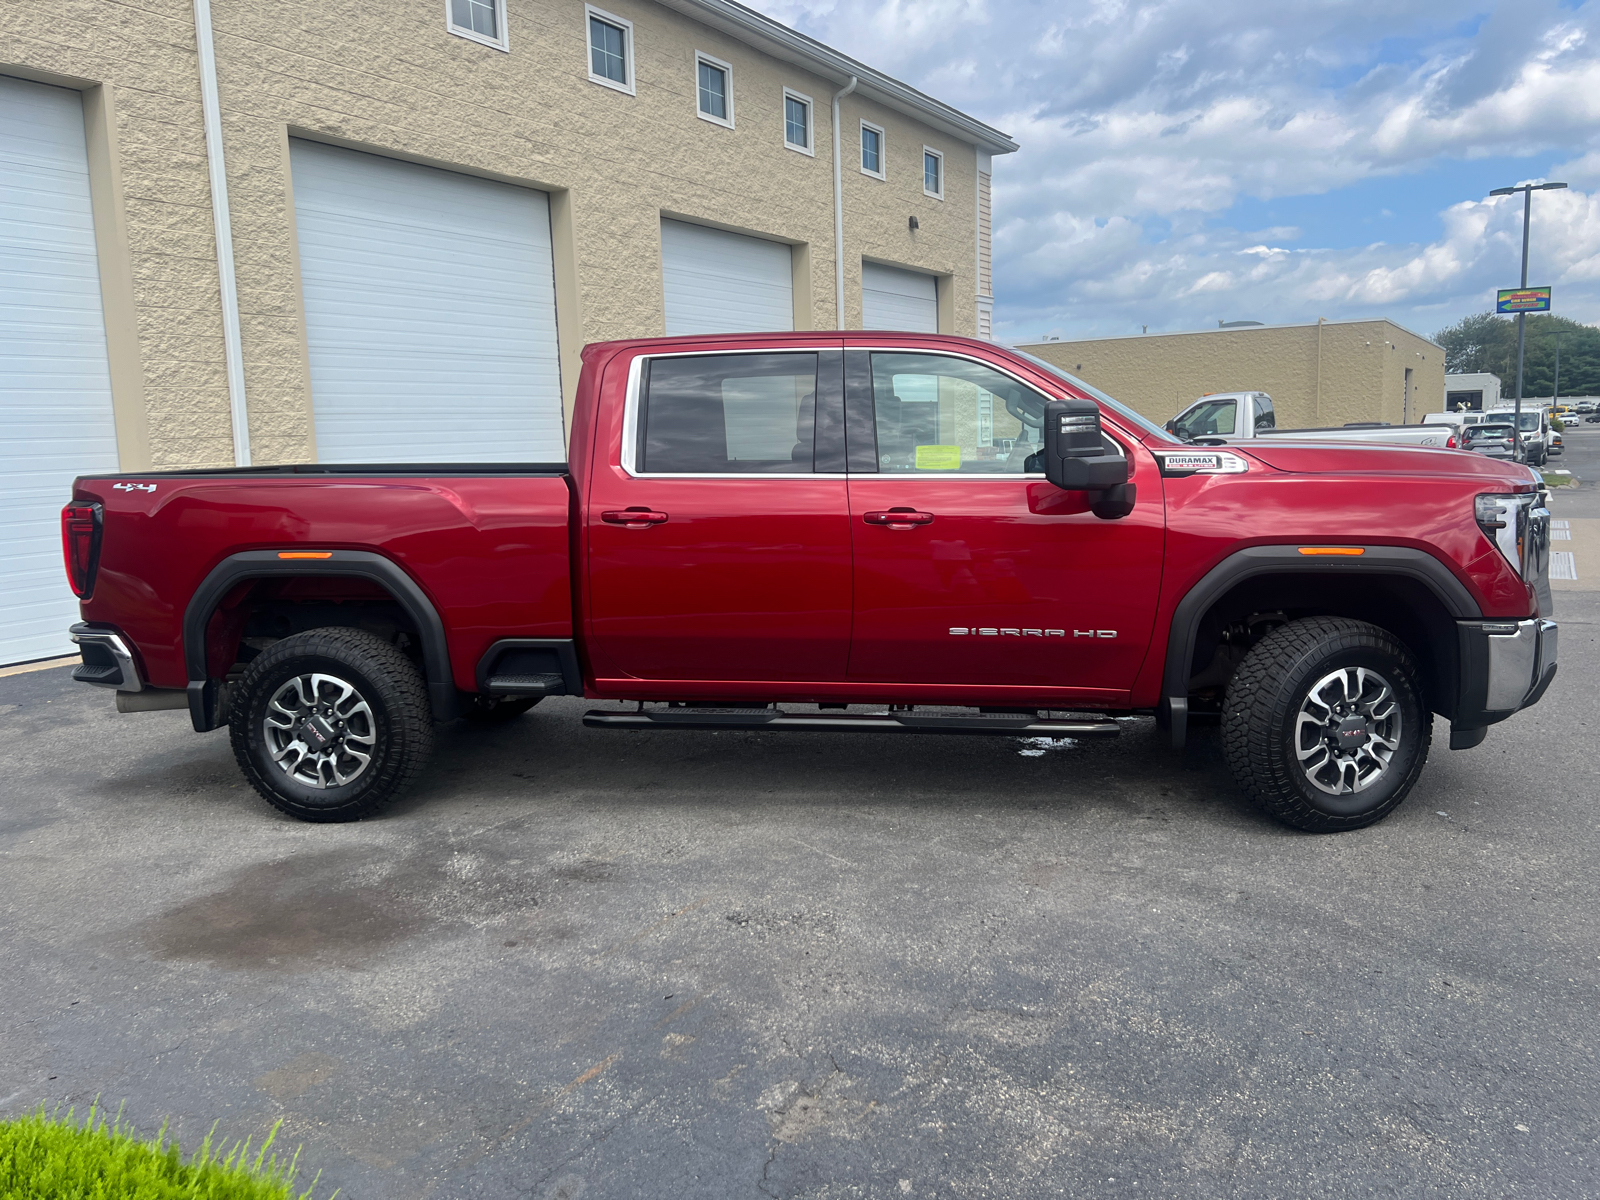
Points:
(938, 458)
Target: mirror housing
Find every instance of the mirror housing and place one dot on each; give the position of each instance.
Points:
(1073, 456)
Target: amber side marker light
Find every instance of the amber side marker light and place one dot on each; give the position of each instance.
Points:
(305, 553)
(1346, 551)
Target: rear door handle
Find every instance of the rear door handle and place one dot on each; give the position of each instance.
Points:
(638, 517)
(898, 518)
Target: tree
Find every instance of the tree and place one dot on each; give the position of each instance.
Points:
(1486, 342)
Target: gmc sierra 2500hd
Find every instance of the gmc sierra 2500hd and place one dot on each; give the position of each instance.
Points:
(760, 531)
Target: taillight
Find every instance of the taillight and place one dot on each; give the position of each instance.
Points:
(1450, 442)
(80, 544)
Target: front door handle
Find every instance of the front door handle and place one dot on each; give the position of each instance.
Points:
(898, 518)
(638, 517)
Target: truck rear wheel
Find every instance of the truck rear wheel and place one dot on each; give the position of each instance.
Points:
(331, 724)
(1324, 724)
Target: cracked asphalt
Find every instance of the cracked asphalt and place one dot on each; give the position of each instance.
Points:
(579, 963)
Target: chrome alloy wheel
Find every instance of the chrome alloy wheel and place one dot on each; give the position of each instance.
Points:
(320, 731)
(1347, 731)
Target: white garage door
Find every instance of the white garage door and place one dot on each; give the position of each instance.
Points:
(55, 387)
(896, 299)
(430, 312)
(721, 282)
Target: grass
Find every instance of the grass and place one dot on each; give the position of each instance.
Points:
(44, 1156)
(1555, 481)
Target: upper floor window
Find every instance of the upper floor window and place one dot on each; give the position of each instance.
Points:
(871, 150)
(480, 20)
(728, 414)
(610, 49)
(932, 173)
(797, 121)
(714, 83)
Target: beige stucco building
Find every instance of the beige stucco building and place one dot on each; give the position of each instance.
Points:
(517, 100)
(1323, 374)
(247, 233)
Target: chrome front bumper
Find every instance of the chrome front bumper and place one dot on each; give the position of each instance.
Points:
(1505, 667)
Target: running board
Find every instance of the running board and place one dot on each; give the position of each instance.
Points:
(1003, 725)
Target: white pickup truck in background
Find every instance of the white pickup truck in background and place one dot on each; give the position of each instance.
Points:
(1237, 416)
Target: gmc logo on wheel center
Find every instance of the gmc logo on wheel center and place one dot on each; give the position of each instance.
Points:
(966, 631)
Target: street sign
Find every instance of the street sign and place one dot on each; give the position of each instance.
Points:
(1522, 300)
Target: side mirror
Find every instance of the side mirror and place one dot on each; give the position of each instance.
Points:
(1074, 459)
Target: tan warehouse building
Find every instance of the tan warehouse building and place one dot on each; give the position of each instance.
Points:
(259, 233)
(1323, 374)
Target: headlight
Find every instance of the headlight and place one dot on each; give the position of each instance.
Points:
(1507, 521)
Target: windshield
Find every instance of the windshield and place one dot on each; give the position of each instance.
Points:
(1122, 410)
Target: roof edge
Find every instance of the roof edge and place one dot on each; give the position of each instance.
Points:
(776, 38)
(1122, 337)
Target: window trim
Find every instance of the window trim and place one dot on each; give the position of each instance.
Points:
(591, 13)
(701, 56)
(811, 123)
(630, 418)
(502, 43)
(938, 154)
(883, 153)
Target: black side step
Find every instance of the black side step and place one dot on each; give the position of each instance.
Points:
(542, 684)
(1004, 725)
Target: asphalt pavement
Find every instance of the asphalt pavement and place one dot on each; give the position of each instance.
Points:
(579, 963)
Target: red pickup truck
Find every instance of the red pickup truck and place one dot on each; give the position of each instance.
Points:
(832, 532)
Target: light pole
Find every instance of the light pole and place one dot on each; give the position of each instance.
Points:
(1527, 190)
(1555, 391)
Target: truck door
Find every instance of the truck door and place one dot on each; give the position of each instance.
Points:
(969, 568)
(718, 533)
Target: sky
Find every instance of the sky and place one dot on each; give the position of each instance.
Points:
(1186, 162)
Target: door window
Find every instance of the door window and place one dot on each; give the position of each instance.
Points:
(939, 416)
(1210, 418)
(728, 414)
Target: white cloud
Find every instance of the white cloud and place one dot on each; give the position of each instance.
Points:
(1142, 122)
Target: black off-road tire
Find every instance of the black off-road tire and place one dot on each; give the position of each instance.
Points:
(401, 723)
(496, 710)
(1263, 704)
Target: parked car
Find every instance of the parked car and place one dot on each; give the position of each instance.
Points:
(756, 531)
(1496, 440)
(1555, 444)
(1584, 406)
(1227, 417)
(1535, 427)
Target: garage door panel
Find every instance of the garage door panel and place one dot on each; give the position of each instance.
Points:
(714, 281)
(894, 298)
(56, 419)
(430, 312)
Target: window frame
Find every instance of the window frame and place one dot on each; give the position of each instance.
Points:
(810, 149)
(629, 460)
(591, 13)
(700, 56)
(930, 152)
(502, 43)
(883, 153)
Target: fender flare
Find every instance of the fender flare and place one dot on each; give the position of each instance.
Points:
(1254, 561)
(204, 692)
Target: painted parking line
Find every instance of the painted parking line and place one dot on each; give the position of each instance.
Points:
(1563, 565)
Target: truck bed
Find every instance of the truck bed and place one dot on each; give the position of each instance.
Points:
(487, 542)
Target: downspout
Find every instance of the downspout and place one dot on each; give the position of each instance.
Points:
(232, 350)
(838, 206)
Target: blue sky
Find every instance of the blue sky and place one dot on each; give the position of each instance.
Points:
(1189, 161)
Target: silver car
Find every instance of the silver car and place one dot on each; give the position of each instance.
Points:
(1496, 439)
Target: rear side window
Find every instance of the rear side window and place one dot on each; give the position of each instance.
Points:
(1264, 415)
(728, 414)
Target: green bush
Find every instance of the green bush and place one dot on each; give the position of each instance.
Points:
(44, 1156)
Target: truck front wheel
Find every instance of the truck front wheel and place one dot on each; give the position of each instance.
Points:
(1324, 724)
(331, 724)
